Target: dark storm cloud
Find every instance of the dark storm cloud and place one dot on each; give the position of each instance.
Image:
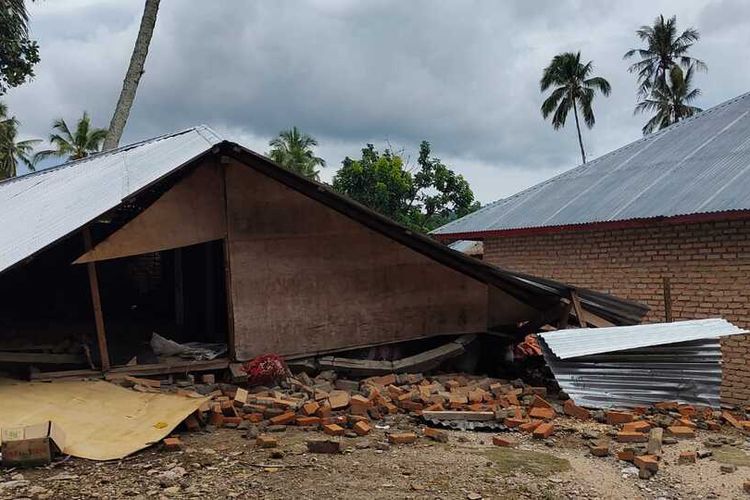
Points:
(463, 75)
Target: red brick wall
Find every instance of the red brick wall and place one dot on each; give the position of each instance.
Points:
(708, 265)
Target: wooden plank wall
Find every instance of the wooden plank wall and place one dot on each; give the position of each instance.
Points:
(306, 279)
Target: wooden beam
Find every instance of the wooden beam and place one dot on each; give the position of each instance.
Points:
(578, 308)
(562, 324)
(41, 358)
(179, 295)
(177, 366)
(226, 247)
(101, 335)
(667, 299)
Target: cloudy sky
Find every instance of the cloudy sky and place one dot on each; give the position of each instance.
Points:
(461, 74)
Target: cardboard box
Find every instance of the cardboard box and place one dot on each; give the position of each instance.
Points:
(31, 445)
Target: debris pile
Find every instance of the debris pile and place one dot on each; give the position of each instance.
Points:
(340, 407)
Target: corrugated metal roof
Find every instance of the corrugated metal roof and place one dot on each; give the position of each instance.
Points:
(699, 165)
(39, 208)
(688, 372)
(643, 364)
(574, 343)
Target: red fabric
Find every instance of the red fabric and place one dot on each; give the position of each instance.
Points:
(529, 347)
(265, 369)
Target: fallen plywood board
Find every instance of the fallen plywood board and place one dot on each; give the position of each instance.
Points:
(101, 421)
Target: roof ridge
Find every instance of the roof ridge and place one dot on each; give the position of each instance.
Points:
(582, 167)
(102, 154)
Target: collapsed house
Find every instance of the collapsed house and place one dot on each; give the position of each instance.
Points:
(206, 243)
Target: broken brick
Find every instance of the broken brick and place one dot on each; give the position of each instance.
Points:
(542, 412)
(338, 399)
(631, 437)
(402, 437)
(283, 419)
(529, 426)
(600, 450)
(310, 408)
(648, 462)
(264, 441)
(667, 405)
(504, 441)
(680, 431)
(637, 426)
(687, 457)
(307, 421)
(192, 423)
(232, 420)
(544, 430)
(216, 419)
(172, 444)
(333, 430)
(573, 410)
(731, 419)
(514, 422)
(619, 417)
(626, 455)
(435, 434)
(539, 402)
(254, 417)
(362, 428)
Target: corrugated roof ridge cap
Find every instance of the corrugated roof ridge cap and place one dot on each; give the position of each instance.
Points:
(111, 152)
(591, 164)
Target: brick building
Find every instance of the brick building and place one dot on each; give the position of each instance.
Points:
(664, 221)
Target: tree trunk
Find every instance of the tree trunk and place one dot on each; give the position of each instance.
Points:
(133, 76)
(578, 129)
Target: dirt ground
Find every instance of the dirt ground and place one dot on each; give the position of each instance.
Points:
(224, 464)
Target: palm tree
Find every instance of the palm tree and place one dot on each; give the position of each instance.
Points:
(13, 152)
(574, 89)
(75, 145)
(293, 149)
(664, 49)
(671, 102)
(132, 76)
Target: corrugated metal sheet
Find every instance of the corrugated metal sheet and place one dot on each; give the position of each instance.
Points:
(643, 365)
(699, 165)
(574, 343)
(468, 247)
(40, 208)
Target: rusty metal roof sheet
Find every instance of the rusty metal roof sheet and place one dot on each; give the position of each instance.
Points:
(699, 165)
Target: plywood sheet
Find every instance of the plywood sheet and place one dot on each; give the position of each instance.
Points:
(307, 279)
(191, 212)
(101, 421)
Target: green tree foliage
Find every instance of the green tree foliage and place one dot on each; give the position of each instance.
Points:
(429, 198)
(13, 152)
(293, 149)
(79, 143)
(671, 101)
(664, 49)
(574, 89)
(18, 54)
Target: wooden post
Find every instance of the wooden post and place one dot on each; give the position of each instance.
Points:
(578, 309)
(667, 299)
(101, 335)
(210, 312)
(179, 297)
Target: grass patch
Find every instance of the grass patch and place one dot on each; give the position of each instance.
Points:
(531, 462)
(732, 455)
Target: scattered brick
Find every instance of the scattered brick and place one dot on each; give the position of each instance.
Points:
(600, 450)
(308, 421)
(264, 441)
(503, 441)
(542, 412)
(687, 457)
(402, 437)
(192, 423)
(338, 399)
(667, 405)
(544, 430)
(530, 426)
(283, 419)
(631, 437)
(626, 455)
(323, 446)
(648, 462)
(575, 411)
(172, 444)
(619, 417)
(310, 408)
(679, 431)
(333, 430)
(514, 422)
(435, 434)
(362, 428)
(637, 426)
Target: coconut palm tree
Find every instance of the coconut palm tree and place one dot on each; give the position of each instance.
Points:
(13, 152)
(663, 50)
(293, 149)
(671, 102)
(74, 145)
(574, 89)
